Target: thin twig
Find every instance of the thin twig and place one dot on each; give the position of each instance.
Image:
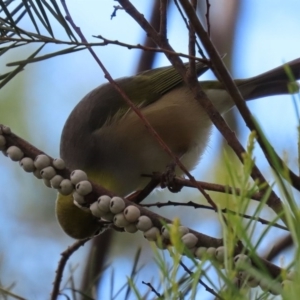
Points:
(224, 210)
(274, 201)
(163, 19)
(152, 288)
(188, 27)
(138, 112)
(61, 266)
(145, 48)
(207, 288)
(280, 245)
(207, 17)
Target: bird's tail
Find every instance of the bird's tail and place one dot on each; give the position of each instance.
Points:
(274, 82)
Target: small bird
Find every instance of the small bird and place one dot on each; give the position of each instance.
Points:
(106, 139)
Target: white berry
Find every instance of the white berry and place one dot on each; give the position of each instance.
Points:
(201, 252)
(117, 205)
(152, 234)
(37, 174)
(77, 176)
(48, 173)
(79, 198)
(104, 203)
(211, 251)
(47, 182)
(66, 187)
(27, 164)
(241, 261)
(56, 181)
(58, 163)
(14, 153)
(6, 129)
(220, 254)
(132, 213)
(144, 223)
(165, 230)
(120, 221)
(95, 210)
(252, 282)
(84, 187)
(42, 161)
(189, 240)
(131, 228)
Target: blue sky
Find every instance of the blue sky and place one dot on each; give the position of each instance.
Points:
(267, 35)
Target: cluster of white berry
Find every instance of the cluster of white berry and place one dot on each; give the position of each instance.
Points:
(44, 167)
(126, 215)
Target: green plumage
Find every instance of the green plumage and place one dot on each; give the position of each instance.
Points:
(105, 138)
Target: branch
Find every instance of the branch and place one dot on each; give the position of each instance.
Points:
(61, 266)
(274, 202)
(138, 112)
(158, 221)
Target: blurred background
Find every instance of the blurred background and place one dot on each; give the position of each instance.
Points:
(254, 35)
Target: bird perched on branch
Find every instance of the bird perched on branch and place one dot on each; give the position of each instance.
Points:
(106, 139)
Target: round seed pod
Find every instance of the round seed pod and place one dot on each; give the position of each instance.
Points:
(252, 282)
(200, 252)
(77, 176)
(152, 234)
(37, 174)
(144, 223)
(27, 164)
(270, 286)
(95, 210)
(58, 163)
(131, 228)
(120, 221)
(80, 199)
(6, 129)
(47, 182)
(104, 203)
(14, 153)
(117, 205)
(211, 251)
(2, 142)
(165, 231)
(244, 276)
(48, 173)
(56, 181)
(42, 161)
(84, 187)
(189, 240)
(66, 187)
(220, 254)
(183, 230)
(275, 288)
(132, 213)
(241, 261)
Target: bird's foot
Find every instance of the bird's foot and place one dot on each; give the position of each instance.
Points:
(168, 179)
